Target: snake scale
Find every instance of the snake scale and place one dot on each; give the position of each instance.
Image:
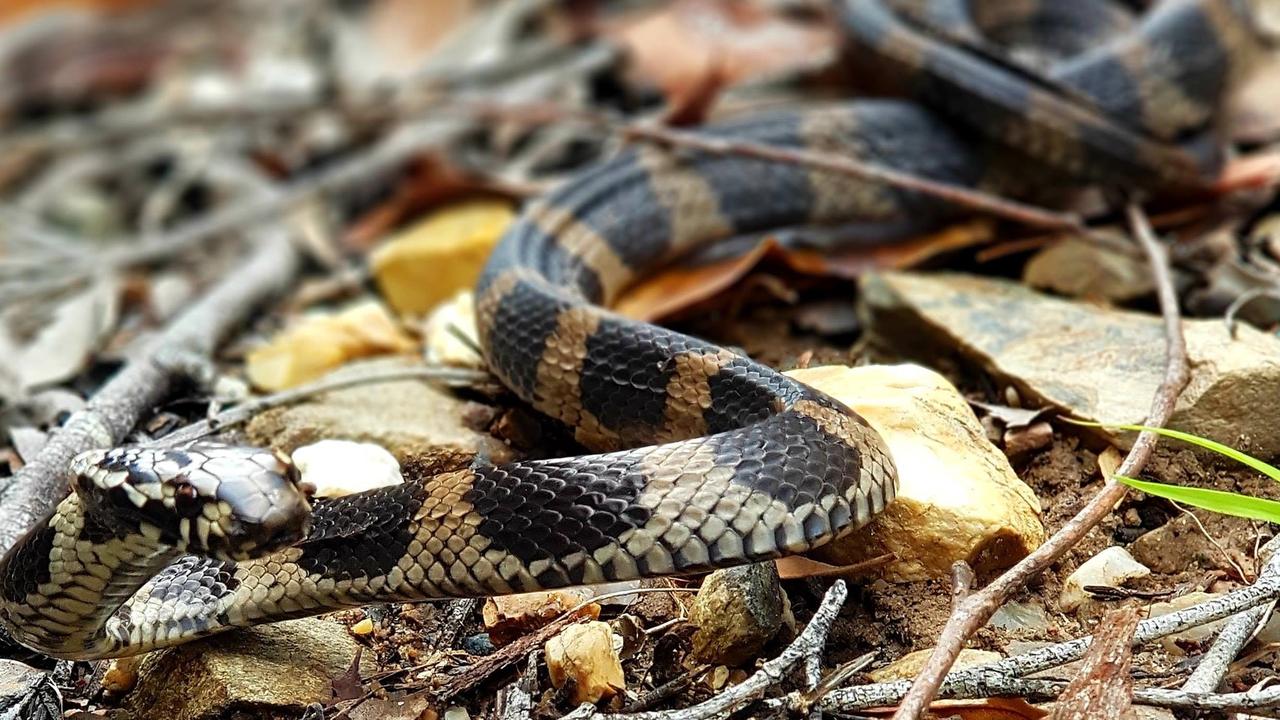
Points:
(706, 458)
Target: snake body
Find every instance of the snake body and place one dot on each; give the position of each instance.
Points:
(705, 458)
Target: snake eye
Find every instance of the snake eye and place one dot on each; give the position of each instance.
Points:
(186, 500)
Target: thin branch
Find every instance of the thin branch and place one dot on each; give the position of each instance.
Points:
(986, 684)
(144, 382)
(1265, 590)
(1237, 633)
(971, 614)
(1103, 686)
(961, 196)
(773, 672)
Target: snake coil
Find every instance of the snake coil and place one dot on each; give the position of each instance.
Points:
(706, 458)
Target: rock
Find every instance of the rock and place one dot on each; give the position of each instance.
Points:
(1112, 567)
(321, 342)
(27, 693)
(456, 712)
(1027, 618)
(909, 665)
(958, 498)
(435, 258)
(1172, 547)
(1098, 364)
(364, 627)
(1081, 269)
(442, 346)
(341, 467)
(586, 654)
(122, 675)
(409, 418)
(479, 644)
(736, 612)
(1191, 640)
(281, 667)
(508, 617)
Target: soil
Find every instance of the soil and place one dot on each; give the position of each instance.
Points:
(894, 619)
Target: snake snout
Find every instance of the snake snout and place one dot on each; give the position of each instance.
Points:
(224, 501)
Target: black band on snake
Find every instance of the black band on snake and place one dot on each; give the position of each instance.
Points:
(735, 463)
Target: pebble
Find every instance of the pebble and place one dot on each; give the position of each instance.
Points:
(342, 467)
(586, 653)
(1112, 567)
(909, 665)
(736, 612)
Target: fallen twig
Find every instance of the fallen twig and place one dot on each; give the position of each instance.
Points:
(960, 196)
(974, 611)
(809, 642)
(984, 684)
(143, 383)
(504, 657)
(971, 682)
(358, 168)
(1238, 631)
(1103, 687)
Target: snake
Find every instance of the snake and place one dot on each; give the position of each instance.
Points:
(699, 457)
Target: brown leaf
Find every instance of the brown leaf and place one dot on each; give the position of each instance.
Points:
(1103, 685)
(348, 685)
(429, 182)
(683, 285)
(1257, 171)
(693, 45)
(799, 566)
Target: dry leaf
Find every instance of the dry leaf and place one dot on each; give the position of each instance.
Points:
(683, 285)
(692, 48)
(1109, 461)
(347, 685)
(440, 255)
(45, 345)
(322, 342)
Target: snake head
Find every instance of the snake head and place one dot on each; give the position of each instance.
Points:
(221, 501)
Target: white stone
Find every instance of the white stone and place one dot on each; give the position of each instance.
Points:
(1112, 567)
(343, 467)
(442, 346)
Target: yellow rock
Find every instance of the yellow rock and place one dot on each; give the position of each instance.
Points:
(958, 498)
(121, 675)
(319, 343)
(426, 264)
(364, 627)
(910, 665)
(586, 653)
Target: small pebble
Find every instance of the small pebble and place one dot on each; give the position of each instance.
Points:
(478, 644)
(364, 627)
(456, 713)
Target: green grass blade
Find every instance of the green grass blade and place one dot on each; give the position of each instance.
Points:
(1219, 501)
(1266, 469)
